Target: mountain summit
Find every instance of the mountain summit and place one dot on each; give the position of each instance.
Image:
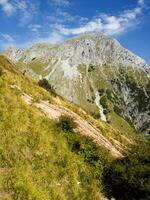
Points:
(95, 72)
(88, 49)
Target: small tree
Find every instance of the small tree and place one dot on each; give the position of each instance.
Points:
(1, 71)
(66, 123)
(46, 85)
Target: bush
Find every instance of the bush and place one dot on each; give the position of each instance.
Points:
(94, 156)
(66, 123)
(46, 85)
(96, 115)
(1, 71)
(129, 177)
(117, 110)
(103, 102)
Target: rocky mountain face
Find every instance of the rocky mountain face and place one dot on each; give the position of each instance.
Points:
(95, 72)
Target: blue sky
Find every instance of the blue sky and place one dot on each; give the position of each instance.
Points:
(24, 22)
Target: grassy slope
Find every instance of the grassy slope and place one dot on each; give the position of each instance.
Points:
(37, 159)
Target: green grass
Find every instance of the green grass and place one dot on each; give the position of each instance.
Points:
(40, 160)
(36, 160)
(122, 125)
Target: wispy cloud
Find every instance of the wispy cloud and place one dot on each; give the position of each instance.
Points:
(7, 37)
(25, 8)
(141, 2)
(60, 17)
(53, 29)
(7, 7)
(34, 28)
(53, 38)
(108, 24)
(60, 3)
(6, 40)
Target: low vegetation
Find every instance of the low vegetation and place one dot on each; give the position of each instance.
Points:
(46, 85)
(44, 159)
(36, 161)
(129, 177)
(66, 123)
(1, 71)
(94, 156)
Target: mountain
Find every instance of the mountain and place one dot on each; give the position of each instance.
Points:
(95, 72)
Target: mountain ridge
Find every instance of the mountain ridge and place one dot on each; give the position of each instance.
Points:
(95, 72)
(12, 52)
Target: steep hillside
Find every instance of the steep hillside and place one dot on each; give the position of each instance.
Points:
(38, 160)
(97, 73)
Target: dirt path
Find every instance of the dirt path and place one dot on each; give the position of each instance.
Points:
(84, 127)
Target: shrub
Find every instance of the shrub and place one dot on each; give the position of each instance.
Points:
(129, 177)
(109, 94)
(46, 85)
(96, 115)
(103, 102)
(117, 109)
(1, 71)
(66, 123)
(101, 91)
(94, 156)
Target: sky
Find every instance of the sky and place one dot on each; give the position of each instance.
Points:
(25, 22)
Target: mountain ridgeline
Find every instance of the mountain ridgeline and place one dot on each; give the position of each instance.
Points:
(95, 72)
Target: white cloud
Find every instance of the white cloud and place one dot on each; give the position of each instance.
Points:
(21, 5)
(141, 2)
(34, 28)
(6, 40)
(25, 8)
(56, 31)
(7, 7)
(60, 17)
(107, 24)
(7, 37)
(64, 16)
(62, 3)
(54, 38)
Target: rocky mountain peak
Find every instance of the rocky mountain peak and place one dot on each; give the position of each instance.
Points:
(99, 49)
(88, 49)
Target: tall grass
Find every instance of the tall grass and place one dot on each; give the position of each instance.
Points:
(36, 161)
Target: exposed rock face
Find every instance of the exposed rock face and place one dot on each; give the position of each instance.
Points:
(95, 72)
(14, 54)
(88, 49)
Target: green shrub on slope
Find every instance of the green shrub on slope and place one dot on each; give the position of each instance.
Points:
(1, 71)
(129, 177)
(66, 123)
(46, 85)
